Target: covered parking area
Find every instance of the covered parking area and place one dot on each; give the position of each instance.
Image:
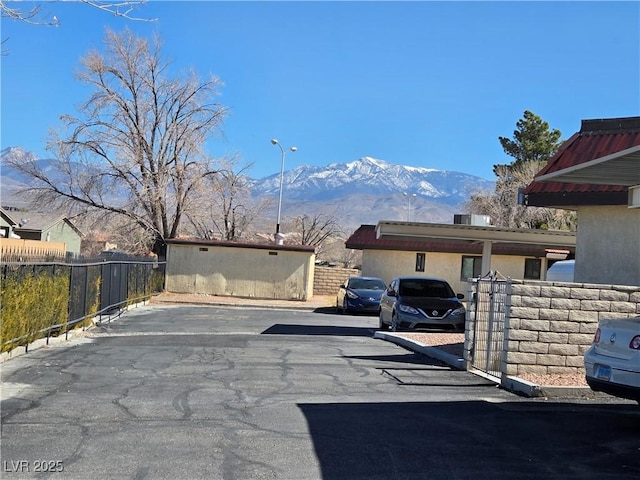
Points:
(556, 244)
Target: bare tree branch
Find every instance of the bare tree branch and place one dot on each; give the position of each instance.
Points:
(229, 211)
(35, 15)
(135, 148)
(315, 230)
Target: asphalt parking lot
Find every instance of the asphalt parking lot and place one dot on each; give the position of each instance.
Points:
(216, 392)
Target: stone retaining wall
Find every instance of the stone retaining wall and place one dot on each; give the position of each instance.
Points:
(550, 325)
(327, 280)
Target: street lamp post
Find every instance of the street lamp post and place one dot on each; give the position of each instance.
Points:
(278, 236)
(409, 204)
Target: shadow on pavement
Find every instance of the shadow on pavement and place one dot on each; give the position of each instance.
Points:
(284, 329)
(475, 440)
(326, 310)
(334, 311)
(424, 377)
(416, 358)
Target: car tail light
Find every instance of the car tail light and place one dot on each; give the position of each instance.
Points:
(635, 343)
(596, 337)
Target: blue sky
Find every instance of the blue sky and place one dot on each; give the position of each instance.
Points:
(431, 84)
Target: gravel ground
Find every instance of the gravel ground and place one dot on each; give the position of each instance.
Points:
(453, 343)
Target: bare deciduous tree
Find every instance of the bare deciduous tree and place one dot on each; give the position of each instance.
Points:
(315, 230)
(503, 206)
(333, 251)
(135, 149)
(227, 210)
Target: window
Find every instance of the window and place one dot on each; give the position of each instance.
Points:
(532, 267)
(471, 267)
(425, 288)
(420, 261)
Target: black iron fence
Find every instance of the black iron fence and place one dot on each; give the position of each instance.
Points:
(41, 299)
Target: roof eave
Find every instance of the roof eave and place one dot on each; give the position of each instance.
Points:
(619, 168)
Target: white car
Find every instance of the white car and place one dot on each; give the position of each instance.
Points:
(612, 363)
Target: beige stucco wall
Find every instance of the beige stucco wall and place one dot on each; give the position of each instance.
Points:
(608, 245)
(239, 271)
(388, 264)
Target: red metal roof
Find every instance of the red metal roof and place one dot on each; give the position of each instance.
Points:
(596, 139)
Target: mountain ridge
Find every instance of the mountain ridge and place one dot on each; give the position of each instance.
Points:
(361, 191)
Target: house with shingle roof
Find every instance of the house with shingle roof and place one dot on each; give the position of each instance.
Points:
(7, 223)
(44, 227)
(596, 172)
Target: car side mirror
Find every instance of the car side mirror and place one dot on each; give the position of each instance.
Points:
(342, 285)
(460, 296)
(391, 292)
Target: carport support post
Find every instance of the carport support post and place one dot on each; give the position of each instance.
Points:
(486, 257)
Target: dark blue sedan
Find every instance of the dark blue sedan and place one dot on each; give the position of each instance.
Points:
(360, 294)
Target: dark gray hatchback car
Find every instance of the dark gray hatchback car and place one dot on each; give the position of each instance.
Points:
(414, 303)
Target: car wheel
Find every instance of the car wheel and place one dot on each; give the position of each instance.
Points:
(395, 322)
(381, 324)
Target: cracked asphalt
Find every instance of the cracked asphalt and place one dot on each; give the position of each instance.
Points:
(210, 392)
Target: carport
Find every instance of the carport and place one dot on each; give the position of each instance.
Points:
(473, 235)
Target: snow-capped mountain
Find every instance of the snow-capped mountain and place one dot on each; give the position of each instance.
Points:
(371, 176)
(358, 192)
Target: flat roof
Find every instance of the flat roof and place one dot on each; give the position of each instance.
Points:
(220, 243)
(474, 233)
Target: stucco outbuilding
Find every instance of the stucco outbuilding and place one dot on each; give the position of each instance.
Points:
(283, 272)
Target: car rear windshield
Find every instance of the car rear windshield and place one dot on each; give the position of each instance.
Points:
(425, 288)
(367, 284)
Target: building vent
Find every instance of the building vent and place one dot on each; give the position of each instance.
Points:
(472, 219)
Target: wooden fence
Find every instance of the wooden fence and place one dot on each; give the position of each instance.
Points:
(16, 250)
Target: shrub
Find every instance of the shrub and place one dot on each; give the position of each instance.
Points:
(32, 303)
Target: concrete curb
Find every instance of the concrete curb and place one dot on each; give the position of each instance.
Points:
(433, 352)
(308, 308)
(522, 387)
(532, 390)
(42, 343)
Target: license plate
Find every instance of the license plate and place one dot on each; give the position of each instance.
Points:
(603, 372)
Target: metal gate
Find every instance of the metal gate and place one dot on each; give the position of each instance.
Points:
(489, 296)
